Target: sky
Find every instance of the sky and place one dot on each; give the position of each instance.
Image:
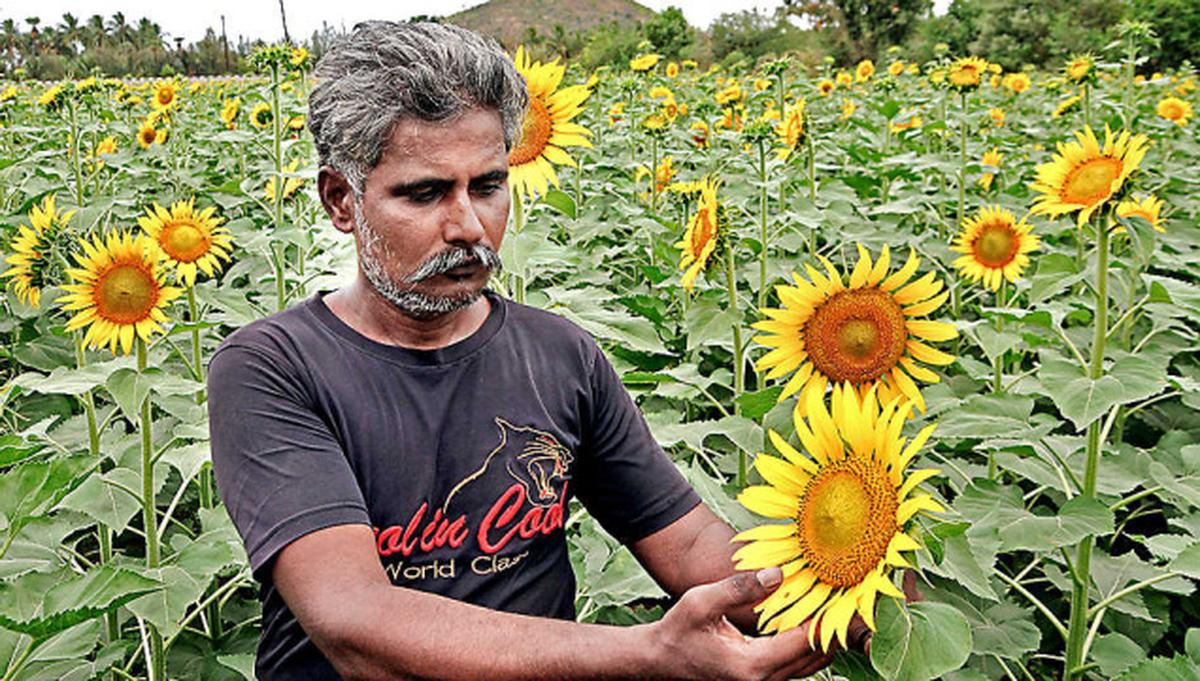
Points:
(260, 18)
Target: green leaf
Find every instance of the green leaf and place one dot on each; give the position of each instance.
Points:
(1115, 653)
(1083, 400)
(988, 416)
(969, 564)
(753, 405)
(33, 489)
(561, 202)
(1076, 519)
(103, 503)
(1055, 273)
(919, 642)
(1006, 630)
(72, 381)
(242, 664)
(42, 605)
(1187, 562)
(129, 389)
(1162, 669)
(165, 607)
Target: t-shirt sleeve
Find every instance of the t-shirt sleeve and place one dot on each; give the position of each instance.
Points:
(625, 479)
(280, 471)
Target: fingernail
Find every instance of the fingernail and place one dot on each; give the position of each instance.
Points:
(770, 578)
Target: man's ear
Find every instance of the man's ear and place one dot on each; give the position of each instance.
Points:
(338, 198)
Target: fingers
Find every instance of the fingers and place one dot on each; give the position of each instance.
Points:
(858, 636)
(788, 654)
(741, 589)
(909, 583)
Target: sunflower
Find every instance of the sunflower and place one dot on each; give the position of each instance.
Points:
(166, 95)
(1067, 105)
(1174, 109)
(700, 134)
(701, 237)
(299, 57)
(825, 87)
(290, 184)
(966, 73)
(995, 246)
(261, 115)
(865, 334)
(148, 135)
(121, 291)
(731, 93)
(846, 505)
(546, 127)
(643, 62)
(912, 122)
(848, 109)
(792, 129)
(991, 157)
(188, 239)
(844, 79)
(1017, 82)
(1080, 68)
(29, 262)
(229, 112)
(864, 70)
(672, 70)
(1149, 209)
(896, 69)
(1084, 175)
(664, 173)
(53, 98)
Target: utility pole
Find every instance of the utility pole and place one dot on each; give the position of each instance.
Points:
(225, 43)
(283, 15)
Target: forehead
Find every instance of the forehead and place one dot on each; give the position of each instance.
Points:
(470, 140)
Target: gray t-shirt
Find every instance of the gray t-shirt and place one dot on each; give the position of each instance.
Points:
(462, 459)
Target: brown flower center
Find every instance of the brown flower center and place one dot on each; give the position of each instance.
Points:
(996, 245)
(125, 294)
(856, 335)
(846, 520)
(1092, 182)
(183, 241)
(535, 134)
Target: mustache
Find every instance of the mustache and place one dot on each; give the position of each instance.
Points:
(452, 258)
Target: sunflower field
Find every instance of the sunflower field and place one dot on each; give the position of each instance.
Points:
(889, 318)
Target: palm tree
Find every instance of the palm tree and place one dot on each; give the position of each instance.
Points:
(70, 34)
(97, 30)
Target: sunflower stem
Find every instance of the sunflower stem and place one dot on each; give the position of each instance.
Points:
(518, 205)
(962, 164)
(156, 663)
(194, 318)
(1087, 105)
(812, 186)
(998, 362)
(277, 250)
(738, 375)
(76, 162)
(887, 143)
(1077, 628)
(653, 183)
(762, 223)
(112, 631)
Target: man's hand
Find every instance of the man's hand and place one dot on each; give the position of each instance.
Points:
(695, 640)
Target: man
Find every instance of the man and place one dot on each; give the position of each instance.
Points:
(398, 455)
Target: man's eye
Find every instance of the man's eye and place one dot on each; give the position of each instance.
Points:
(424, 196)
(487, 189)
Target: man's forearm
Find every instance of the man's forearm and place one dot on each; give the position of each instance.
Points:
(390, 633)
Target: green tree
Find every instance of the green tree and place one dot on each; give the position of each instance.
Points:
(1177, 24)
(859, 29)
(669, 32)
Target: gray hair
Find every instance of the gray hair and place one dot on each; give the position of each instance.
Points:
(383, 72)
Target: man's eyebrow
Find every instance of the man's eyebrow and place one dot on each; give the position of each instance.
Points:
(423, 184)
(498, 175)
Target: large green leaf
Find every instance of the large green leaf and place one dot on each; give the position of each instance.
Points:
(1083, 400)
(919, 642)
(42, 605)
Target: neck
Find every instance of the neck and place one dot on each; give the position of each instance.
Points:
(363, 309)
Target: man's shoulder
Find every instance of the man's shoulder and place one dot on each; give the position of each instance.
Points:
(277, 335)
(549, 330)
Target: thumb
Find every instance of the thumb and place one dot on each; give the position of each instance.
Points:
(743, 588)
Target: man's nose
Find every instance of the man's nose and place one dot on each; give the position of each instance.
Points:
(462, 224)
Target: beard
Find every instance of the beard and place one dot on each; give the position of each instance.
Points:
(404, 294)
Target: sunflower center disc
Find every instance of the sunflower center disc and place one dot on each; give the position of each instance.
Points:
(847, 519)
(704, 230)
(164, 97)
(125, 294)
(1092, 182)
(149, 135)
(857, 335)
(184, 241)
(535, 134)
(995, 246)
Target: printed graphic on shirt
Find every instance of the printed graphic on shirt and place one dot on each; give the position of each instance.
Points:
(531, 467)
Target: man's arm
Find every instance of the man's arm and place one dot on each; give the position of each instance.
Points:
(333, 581)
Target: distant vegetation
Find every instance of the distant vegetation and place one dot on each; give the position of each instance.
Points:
(1011, 32)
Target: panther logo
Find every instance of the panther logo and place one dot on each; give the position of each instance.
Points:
(534, 458)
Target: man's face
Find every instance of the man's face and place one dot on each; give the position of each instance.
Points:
(433, 212)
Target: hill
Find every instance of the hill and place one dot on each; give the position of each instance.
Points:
(507, 20)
